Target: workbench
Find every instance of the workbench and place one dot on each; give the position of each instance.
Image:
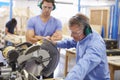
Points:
(114, 64)
(113, 61)
(69, 53)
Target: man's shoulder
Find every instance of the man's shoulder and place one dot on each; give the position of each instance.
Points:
(8, 23)
(55, 19)
(96, 37)
(33, 19)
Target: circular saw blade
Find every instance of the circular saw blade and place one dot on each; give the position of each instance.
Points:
(30, 65)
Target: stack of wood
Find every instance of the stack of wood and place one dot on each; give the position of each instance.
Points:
(15, 39)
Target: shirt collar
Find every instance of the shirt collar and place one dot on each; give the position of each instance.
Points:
(86, 38)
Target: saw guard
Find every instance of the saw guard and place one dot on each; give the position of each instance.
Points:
(48, 49)
(54, 54)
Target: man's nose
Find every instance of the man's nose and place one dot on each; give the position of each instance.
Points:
(71, 35)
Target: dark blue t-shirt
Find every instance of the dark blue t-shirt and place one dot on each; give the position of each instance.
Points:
(10, 27)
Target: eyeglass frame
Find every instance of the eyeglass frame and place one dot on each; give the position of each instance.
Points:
(46, 7)
(77, 32)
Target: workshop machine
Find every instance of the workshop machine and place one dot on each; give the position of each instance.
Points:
(26, 61)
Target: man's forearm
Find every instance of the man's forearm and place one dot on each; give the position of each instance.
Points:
(32, 40)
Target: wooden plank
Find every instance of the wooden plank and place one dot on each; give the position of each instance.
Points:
(100, 16)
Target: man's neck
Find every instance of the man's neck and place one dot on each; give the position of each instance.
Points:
(44, 18)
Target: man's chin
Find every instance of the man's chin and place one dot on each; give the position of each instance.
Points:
(75, 39)
(46, 14)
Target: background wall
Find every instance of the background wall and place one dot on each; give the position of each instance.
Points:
(24, 9)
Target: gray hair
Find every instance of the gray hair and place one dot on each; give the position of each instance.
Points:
(79, 19)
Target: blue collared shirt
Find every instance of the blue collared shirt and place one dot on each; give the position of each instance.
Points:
(91, 59)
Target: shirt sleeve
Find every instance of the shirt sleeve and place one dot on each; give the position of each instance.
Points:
(30, 24)
(66, 43)
(86, 64)
(7, 24)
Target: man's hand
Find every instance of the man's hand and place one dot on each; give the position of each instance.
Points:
(56, 36)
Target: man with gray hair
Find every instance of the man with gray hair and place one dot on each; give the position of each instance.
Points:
(91, 59)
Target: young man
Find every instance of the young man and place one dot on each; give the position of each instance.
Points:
(10, 28)
(44, 25)
(91, 59)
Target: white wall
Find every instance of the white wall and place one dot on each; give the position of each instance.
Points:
(24, 4)
(62, 11)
